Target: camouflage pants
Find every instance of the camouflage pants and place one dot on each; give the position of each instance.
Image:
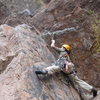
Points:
(52, 69)
(55, 68)
(80, 83)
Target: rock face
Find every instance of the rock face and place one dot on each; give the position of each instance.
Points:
(4, 12)
(20, 5)
(61, 14)
(22, 52)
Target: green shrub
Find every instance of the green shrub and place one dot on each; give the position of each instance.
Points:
(38, 2)
(96, 31)
(90, 12)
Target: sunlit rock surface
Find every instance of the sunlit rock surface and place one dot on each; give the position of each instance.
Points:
(22, 52)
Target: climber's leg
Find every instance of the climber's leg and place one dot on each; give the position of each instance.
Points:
(49, 70)
(83, 84)
(52, 69)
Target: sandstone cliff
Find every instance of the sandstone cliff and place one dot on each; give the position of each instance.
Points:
(23, 50)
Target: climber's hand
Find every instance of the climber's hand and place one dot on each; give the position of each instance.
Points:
(53, 43)
(52, 46)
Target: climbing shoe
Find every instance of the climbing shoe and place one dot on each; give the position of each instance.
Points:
(94, 92)
(41, 72)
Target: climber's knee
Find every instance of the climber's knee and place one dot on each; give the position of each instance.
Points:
(52, 69)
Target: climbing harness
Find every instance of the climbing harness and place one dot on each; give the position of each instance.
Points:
(67, 56)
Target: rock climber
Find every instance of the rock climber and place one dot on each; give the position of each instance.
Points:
(64, 64)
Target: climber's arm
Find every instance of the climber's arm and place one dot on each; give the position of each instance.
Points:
(56, 48)
(59, 49)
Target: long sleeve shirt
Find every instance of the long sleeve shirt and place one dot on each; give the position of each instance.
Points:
(62, 58)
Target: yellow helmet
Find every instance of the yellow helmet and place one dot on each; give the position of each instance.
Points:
(67, 47)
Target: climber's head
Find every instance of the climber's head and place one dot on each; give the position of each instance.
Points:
(67, 47)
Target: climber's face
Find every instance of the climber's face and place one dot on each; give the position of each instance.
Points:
(63, 47)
